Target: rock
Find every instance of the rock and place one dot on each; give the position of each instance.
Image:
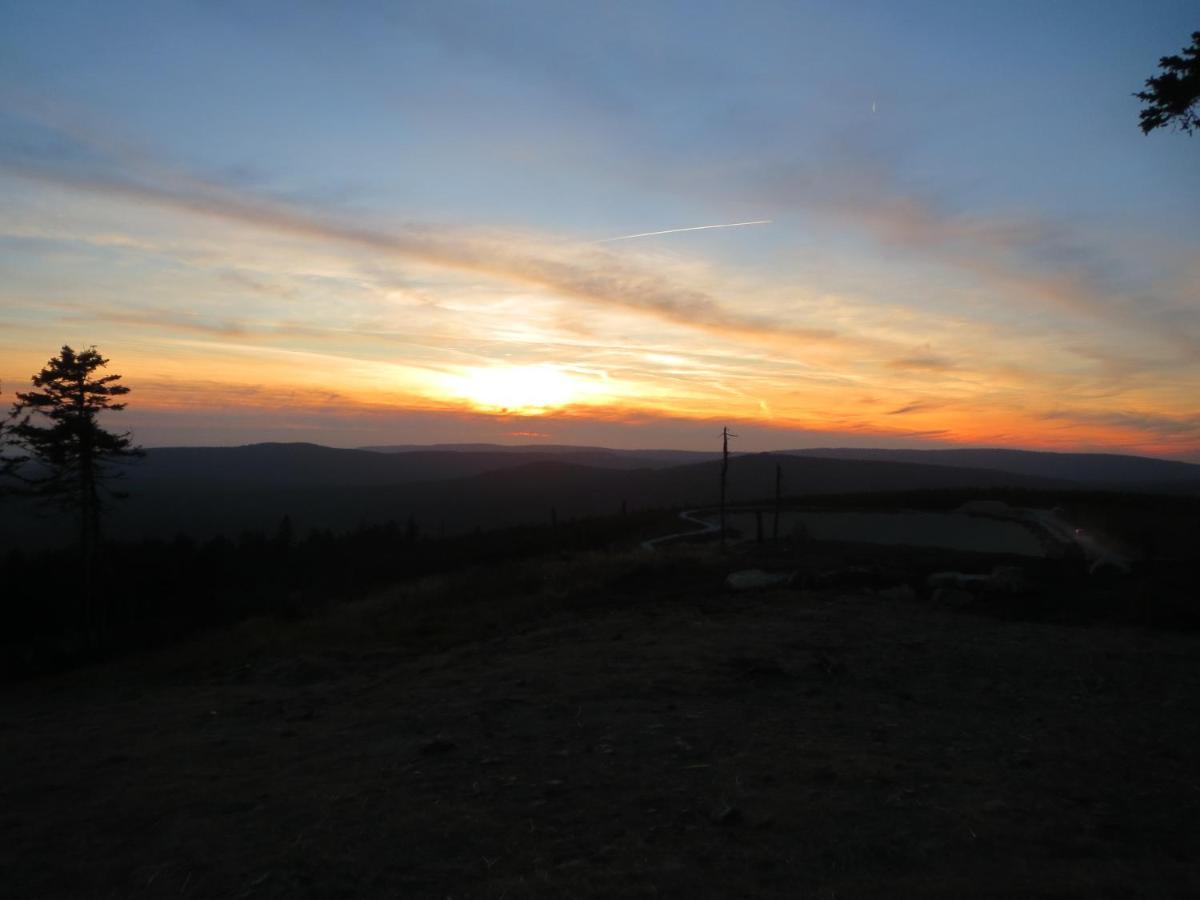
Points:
(1007, 580)
(763, 669)
(850, 577)
(953, 597)
(440, 744)
(1109, 564)
(901, 593)
(958, 580)
(726, 814)
(823, 775)
(756, 579)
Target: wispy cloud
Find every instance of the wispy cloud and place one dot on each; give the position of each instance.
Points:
(930, 362)
(917, 406)
(1025, 260)
(590, 274)
(1182, 427)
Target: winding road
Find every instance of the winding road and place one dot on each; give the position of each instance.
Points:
(688, 515)
(1049, 521)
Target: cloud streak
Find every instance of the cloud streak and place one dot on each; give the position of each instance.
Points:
(916, 406)
(590, 274)
(630, 237)
(1029, 261)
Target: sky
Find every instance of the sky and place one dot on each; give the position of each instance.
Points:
(409, 223)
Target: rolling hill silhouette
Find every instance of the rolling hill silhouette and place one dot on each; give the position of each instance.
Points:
(260, 465)
(564, 452)
(229, 490)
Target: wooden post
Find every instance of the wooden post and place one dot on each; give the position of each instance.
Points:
(725, 436)
(778, 498)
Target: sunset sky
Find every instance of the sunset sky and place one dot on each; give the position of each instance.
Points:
(359, 223)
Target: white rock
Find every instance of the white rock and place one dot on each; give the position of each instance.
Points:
(756, 579)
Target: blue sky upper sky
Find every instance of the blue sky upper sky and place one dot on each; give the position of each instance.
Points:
(359, 219)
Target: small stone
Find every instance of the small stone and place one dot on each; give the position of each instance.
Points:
(955, 598)
(440, 744)
(756, 579)
(726, 815)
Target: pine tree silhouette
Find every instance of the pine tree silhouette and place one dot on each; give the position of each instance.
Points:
(72, 457)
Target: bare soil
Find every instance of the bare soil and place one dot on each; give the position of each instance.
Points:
(679, 741)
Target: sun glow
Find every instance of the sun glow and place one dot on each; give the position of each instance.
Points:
(524, 390)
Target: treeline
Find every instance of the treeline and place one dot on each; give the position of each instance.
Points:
(156, 591)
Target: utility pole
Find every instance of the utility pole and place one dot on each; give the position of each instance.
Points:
(725, 436)
(778, 496)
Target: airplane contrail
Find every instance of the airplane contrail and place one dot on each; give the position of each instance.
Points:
(627, 237)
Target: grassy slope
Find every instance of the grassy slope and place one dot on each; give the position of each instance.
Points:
(614, 726)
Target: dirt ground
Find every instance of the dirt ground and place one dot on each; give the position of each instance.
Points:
(689, 744)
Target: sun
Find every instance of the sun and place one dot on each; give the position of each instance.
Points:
(522, 390)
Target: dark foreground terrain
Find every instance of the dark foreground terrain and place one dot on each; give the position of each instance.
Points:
(614, 726)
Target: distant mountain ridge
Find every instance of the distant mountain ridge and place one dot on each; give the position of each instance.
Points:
(302, 463)
(1092, 469)
(655, 454)
(403, 463)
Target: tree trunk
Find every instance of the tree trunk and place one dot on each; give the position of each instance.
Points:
(722, 506)
(778, 496)
(725, 436)
(89, 538)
